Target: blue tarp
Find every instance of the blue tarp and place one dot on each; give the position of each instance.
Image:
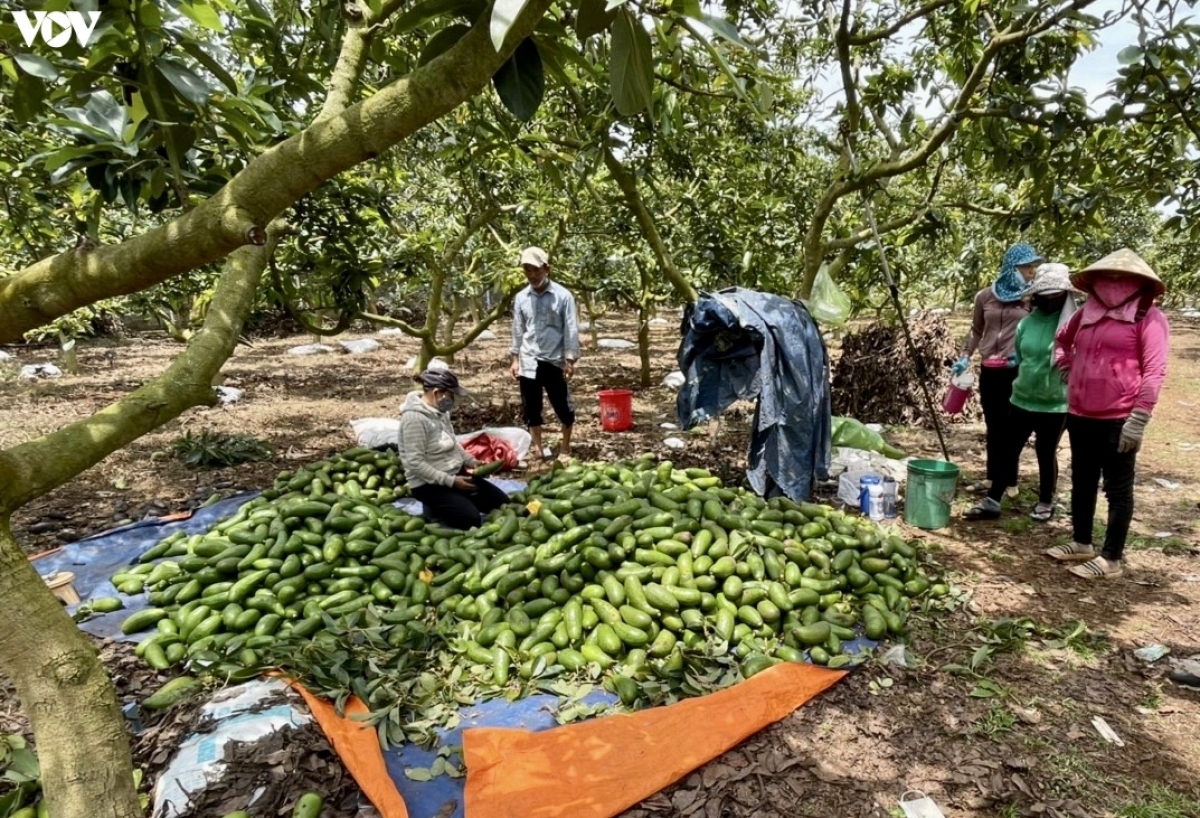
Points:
(747, 345)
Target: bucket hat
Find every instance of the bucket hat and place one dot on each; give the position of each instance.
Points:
(441, 379)
(1052, 278)
(1122, 261)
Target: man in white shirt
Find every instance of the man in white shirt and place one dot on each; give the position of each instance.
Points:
(545, 347)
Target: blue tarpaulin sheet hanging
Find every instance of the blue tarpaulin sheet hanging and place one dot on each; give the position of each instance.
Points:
(741, 344)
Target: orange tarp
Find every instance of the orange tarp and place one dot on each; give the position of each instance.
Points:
(593, 769)
(601, 767)
(357, 744)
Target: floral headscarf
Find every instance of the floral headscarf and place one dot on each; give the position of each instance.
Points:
(1011, 285)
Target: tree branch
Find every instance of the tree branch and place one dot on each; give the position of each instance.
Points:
(855, 239)
(32, 469)
(886, 33)
(674, 83)
(388, 321)
(495, 314)
(237, 214)
(841, 40)
(633, 200)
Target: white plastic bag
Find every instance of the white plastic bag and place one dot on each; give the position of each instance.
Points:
(616, 343)
(32, 372)
(849, 491)
(310, 349)
(375, 433)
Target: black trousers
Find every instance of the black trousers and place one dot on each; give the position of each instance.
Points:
(995, 395)
(1093, 455)
(551, 379)
(1047, 429)
(459, 509)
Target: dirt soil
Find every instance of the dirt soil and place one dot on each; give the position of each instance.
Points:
(994, 715)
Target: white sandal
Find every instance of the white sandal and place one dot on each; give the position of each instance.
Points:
(1073, 552)
(1099, 568)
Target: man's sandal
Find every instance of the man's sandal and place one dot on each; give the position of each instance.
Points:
(1098, 568)
(1042, 512)
(1073, 552)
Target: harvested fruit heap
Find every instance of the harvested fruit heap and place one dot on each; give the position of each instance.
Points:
(660, 581)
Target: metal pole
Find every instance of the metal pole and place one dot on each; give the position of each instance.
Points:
(895, 292)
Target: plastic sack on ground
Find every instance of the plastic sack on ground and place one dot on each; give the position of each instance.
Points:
(360, 346)
(828, 304)
(846, 459)
(376, 433)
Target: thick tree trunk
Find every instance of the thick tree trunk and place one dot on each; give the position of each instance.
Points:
(87, 769)
(63, 688)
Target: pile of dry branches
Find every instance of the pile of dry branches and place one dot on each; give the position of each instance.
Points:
(876, 380)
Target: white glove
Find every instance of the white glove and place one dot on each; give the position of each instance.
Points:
(1132, 431)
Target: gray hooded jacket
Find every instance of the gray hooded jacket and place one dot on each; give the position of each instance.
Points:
(428, 449)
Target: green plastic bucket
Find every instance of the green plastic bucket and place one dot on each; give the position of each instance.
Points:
(930, 491)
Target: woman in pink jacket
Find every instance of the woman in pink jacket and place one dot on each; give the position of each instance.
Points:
(1113, 354)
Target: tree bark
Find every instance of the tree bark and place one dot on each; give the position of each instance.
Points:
(81, 741)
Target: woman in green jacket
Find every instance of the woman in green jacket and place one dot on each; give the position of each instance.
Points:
(1039, 396)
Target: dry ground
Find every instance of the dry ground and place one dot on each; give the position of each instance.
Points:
(1007, 733)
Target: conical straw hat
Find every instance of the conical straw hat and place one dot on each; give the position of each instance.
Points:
(1122, 261)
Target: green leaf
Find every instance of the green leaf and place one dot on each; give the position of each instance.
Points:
(504, 14)
(103, 111)
(1129, 55)
(61, 157)
(418, 773)
(594, 17)
(202, 56)
(36, 66)
(430, 9)
(441, 42)
(203, 15)
(725, 29)
(193, 89)
(631, 65)
(520, 82)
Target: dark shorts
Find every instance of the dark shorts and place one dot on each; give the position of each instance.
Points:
(551, 379)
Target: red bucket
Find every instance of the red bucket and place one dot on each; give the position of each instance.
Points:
(616, 410)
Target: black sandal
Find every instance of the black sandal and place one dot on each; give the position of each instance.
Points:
(983, 511)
